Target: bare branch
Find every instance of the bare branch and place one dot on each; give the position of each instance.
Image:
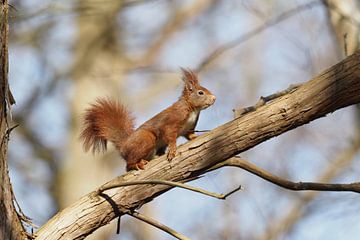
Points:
(295, 186)
(169, 183)
(158, 225)
(298, 210)
(178, 20)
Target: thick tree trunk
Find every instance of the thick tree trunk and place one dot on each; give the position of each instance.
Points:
(337, 87)
(10, 224)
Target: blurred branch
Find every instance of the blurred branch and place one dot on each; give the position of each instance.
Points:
(245, 37)
(178, 20)
(41, 150)
(344, 21)
(332, 5)
(295, 186)
(58, 9)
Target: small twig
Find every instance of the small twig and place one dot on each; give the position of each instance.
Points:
(7, 134)
(9, 130)
(263, 100)
(158, 225)
(118, 225)
(170, 183)
(30, 235)
(200, 131)
(25, 219)
(232, 191)
(295, 186)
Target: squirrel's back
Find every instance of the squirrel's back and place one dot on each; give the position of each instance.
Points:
(106, 120)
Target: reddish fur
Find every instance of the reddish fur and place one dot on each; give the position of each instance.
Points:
(110, 121)
(104, 121)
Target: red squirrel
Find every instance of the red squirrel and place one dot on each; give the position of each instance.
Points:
(108, 120)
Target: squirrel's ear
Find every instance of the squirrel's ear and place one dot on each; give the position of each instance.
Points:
(190, 79)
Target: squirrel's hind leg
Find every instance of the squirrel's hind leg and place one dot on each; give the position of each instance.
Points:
(139, 149)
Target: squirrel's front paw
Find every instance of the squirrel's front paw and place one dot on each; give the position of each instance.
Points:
(171, 154)
(192, 136)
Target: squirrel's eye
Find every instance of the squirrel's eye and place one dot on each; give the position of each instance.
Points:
(200, 92)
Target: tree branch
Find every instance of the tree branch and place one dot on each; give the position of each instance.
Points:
(169, 183)
(335, 88)
(10, 221)
(295, 186)
(158, 225)
(299, 210)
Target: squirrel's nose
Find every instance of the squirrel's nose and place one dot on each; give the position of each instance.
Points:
(213, 98)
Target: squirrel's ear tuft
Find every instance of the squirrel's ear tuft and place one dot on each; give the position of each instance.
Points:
(190, 79)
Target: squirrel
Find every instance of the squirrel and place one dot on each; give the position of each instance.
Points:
(108, 120)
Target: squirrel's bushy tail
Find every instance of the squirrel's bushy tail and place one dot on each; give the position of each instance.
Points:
(106, 120)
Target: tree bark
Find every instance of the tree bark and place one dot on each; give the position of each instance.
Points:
(335, 88)
(10, 223)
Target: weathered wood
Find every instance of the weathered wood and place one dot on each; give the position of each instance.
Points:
(337, 87)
